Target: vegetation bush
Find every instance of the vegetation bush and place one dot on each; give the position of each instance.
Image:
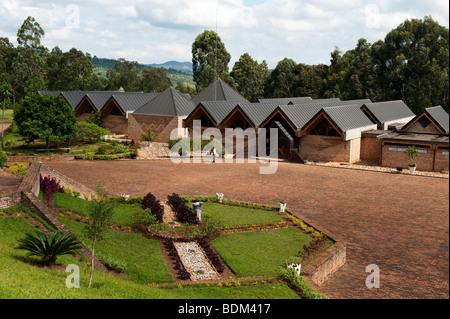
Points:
(150, 202)
(182, 212)
(182, 272)
(49, 186)
(300, 282)
(212, 255)
(90, 132)
(3, 158)
(50, 246)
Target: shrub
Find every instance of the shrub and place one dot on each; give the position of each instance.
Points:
(182, 212)
(309, 292)
(18, 167)
(50, 246)
(212, 255)
(150, 136)
(150, 202)
(90, 132)
(105, 149)
(182, 272)
(49, 186)
(3, 158)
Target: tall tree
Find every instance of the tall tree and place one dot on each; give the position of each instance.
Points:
(210, 60)
(29, 34)
(419, 63)
(282, 80)
(155, 80)
(124, 75)
(250, 77)
(45, 117)
(69, 71)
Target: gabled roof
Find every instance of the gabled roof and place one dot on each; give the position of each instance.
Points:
(133, 101)
(437, 115)
(168, 103)
(219, 110)
(218, 91)
(385, 112)
(348, 117)
(440, 117)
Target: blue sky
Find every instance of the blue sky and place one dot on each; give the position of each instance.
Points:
(154, 31)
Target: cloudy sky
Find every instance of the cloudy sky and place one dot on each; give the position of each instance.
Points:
(156, 31)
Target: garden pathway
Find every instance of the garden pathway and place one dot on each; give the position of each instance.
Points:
(195, 261)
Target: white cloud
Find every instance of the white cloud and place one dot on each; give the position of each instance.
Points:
(154, 31)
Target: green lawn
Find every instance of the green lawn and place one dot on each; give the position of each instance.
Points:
(237, 216)
(260, 253)
(139, 257)
(8, 116)
(20, 280)
(123, 213)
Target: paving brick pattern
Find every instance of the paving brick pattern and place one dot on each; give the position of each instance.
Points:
(398, 222)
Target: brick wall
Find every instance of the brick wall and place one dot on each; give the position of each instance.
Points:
(324, 149)
(417, 127)
(139, 124)
(321, 268)
(116, 124)
(400, 159)
(67, 182)
(370, 148)
(441, 160)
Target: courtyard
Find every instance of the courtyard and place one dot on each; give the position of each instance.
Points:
(396, 221)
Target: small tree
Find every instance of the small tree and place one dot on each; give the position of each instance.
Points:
(412, 155)
(100, 212)
(150, 136)
(46, 117)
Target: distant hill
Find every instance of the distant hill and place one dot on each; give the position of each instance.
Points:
(179, 66)
(176, 71)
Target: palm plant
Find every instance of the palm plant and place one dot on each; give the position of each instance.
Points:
(50, 246)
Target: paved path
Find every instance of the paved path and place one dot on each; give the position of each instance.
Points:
(398, 222)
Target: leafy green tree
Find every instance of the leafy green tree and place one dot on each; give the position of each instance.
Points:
(49, 246)
(250, 77)
(69, 71)
(186, 88)
(5, 90)
(45, 117)
(418, 63)
(30, 33)
(311, 80)
(124, 75)
(7, 56)
(100, 212)
(210, 60)
(282, 80)
(155, 80)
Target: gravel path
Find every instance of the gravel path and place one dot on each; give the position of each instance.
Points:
(195, 262)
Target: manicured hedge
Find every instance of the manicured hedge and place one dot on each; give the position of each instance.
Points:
(92, 156)
(182, 212)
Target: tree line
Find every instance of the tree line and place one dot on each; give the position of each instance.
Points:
(31, 67)
(410, 64)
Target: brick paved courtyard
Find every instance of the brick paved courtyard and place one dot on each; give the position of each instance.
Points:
(398, 222)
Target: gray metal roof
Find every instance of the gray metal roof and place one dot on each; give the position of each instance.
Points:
(348, 117)
(218, 91)
(286, 100)
(258, 112)
(54, 93)
(439, 116)
(385, 112)
(132, 102)
(168, 103)
(219, 110)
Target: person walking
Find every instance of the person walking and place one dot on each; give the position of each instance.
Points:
(214, 154)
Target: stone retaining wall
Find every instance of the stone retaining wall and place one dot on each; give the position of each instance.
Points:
(28, 192)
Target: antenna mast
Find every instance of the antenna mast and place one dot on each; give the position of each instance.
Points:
(215, 63)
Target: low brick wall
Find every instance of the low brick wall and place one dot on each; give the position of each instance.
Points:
(9, 200)
(321, 268)
(66, 182)
(331, 260)
(31, 159)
